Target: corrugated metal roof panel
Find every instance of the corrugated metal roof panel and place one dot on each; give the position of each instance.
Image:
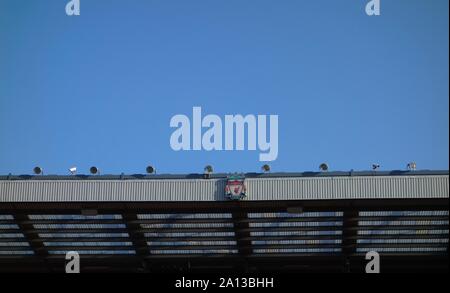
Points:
(283, 188)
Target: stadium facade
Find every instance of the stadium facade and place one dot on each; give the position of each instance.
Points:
(293, 222)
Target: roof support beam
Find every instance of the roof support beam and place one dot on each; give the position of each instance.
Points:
(32, 237)
(137, 238)
(349, 237)
(242, 233)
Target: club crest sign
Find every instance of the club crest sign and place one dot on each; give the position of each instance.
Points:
(235, 188)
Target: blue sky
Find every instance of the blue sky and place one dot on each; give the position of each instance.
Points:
(100, 88)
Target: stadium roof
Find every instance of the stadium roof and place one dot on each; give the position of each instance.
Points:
(276, 186)
(288, 222)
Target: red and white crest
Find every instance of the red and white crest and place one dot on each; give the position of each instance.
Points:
(235, 188)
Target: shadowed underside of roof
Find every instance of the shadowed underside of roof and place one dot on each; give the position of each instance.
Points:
(325, 235)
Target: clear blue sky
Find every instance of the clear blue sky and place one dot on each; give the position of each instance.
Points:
(100, 89)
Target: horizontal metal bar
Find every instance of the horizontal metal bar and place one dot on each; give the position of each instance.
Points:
(85, 248)
(400, 218)
(292, 219)
(293, 237)
(226, 229)
(228, 220)
(402, 236)
(298, 246)
(323, 205)
(15, 248)
(230, 229)
(402, 245)
(401, 227)
(255, 246)
(83, 239)
(13, 239)
(293, 228)
(73, 221)
(255, 238)
(186, 230)
(192, 247)
(11, 231)
(78, 230)
(190, 238)
(184, 221)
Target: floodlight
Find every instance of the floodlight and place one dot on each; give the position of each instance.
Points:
(37, 170)
(323, 167)
(94, 170)
(73, 170)
(265, 168)
(150, 169)
(208, 169)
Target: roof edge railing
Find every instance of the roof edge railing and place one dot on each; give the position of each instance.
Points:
(306, 174)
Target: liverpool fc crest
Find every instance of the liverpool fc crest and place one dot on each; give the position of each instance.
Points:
(235, 188)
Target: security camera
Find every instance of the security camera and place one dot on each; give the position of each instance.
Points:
(73, 170)
(411, 166)
(94, 170)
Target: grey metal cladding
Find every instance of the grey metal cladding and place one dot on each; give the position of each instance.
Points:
(282, 188)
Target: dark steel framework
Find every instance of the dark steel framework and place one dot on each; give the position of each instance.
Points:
(242, 236)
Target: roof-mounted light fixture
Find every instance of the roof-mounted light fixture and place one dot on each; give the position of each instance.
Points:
(208, 170)
(38, 170)
(94, 170)
(265, 168)
(323, 167)
(150, 169)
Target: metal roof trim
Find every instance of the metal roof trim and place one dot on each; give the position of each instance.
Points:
(306, 174)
